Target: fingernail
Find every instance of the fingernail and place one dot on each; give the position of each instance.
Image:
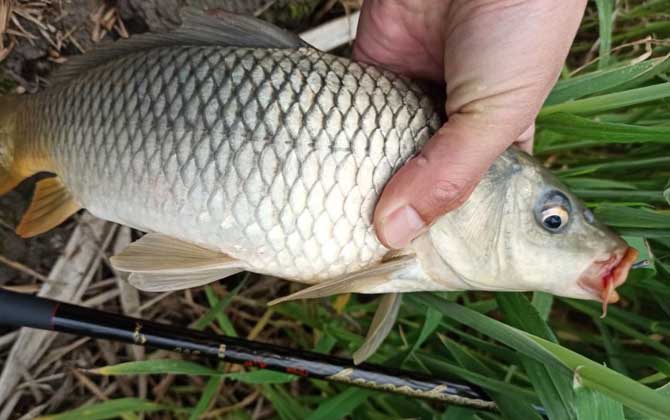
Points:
(401, 226)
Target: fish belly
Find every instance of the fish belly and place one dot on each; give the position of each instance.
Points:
(275, 157)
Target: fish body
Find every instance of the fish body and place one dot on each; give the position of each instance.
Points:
(242, 148)
(274, 156)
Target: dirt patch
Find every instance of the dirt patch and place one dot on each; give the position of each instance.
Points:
(40, 35)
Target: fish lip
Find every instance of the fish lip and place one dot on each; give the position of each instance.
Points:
(603, 276)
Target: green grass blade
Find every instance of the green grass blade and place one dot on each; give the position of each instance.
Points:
(340, 405)
(605, 133)
(610, 101)
(592, 405)
(217, 308)
(287, 408)
(260, 377)
(597, 184)
(457, 413)
(495, 329)
(107, 410)
(620, 216)
(617, 165)
(553, 387)
(605, 19)
(211, 389)
(430, 324)
(183, 367)
(508, 404)
(156, 367)
(624, 77)
(592, 374)
(618, 325)
(543, 302)
(440, 366)
(611, 383)
(618, 195)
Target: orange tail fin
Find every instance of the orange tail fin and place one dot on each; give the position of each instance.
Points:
(52, 202)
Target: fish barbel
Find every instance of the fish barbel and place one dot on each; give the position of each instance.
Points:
(240, 147)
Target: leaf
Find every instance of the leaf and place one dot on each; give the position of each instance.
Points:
(592, 405)
(509, 405)
(217, 308)
(107, 410)
(183, 367)
(153, 367)
(430, 324)
(340, 405)
(287, 407)
(504, 333)
(620, 216)
(458, 413)
(542, 302)
(440, 366)
(604, 132)
(618, 195)
(211, 389)
(663, 391)
(617, 165)
(597, 183)
(593, 375)
(260, 377)
(610, 101)
(553, 387)
(621, 78)
(611, 383)
(605, 19)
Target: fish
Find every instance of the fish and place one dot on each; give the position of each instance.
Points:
(236, 146)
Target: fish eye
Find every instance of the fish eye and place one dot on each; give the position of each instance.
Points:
(554, 218)
(552, 211)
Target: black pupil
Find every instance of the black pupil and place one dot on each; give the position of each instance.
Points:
(553, 222)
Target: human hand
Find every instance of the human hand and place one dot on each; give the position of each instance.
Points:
(499, 58)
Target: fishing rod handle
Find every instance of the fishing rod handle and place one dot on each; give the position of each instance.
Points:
(21, 310)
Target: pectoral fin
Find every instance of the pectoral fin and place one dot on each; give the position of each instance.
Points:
(360, 282)
(52, 203)
(161, 263)
(382, 323)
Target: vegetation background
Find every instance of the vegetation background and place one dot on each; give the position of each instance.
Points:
(605, 131)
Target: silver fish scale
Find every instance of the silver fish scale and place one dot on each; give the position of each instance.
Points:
(276, 157)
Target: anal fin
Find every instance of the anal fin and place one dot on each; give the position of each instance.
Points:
(52, 204)
(161, 263)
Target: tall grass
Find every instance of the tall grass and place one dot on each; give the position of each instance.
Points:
(605, 130)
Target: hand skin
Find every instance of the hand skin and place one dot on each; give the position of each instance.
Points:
(499, 59)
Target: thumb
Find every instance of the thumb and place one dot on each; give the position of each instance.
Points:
(440, 178)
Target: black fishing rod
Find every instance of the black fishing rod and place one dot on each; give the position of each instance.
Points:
(20, 310)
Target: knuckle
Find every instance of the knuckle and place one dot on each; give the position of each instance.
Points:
(446, 194)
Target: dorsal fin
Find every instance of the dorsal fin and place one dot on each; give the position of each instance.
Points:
(198, 29)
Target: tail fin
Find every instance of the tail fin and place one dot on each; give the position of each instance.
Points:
(52, 202)
(8, 176)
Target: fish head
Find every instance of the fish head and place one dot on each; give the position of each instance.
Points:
(523, 230)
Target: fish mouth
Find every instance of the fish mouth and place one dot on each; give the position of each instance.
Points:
(603, 276)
